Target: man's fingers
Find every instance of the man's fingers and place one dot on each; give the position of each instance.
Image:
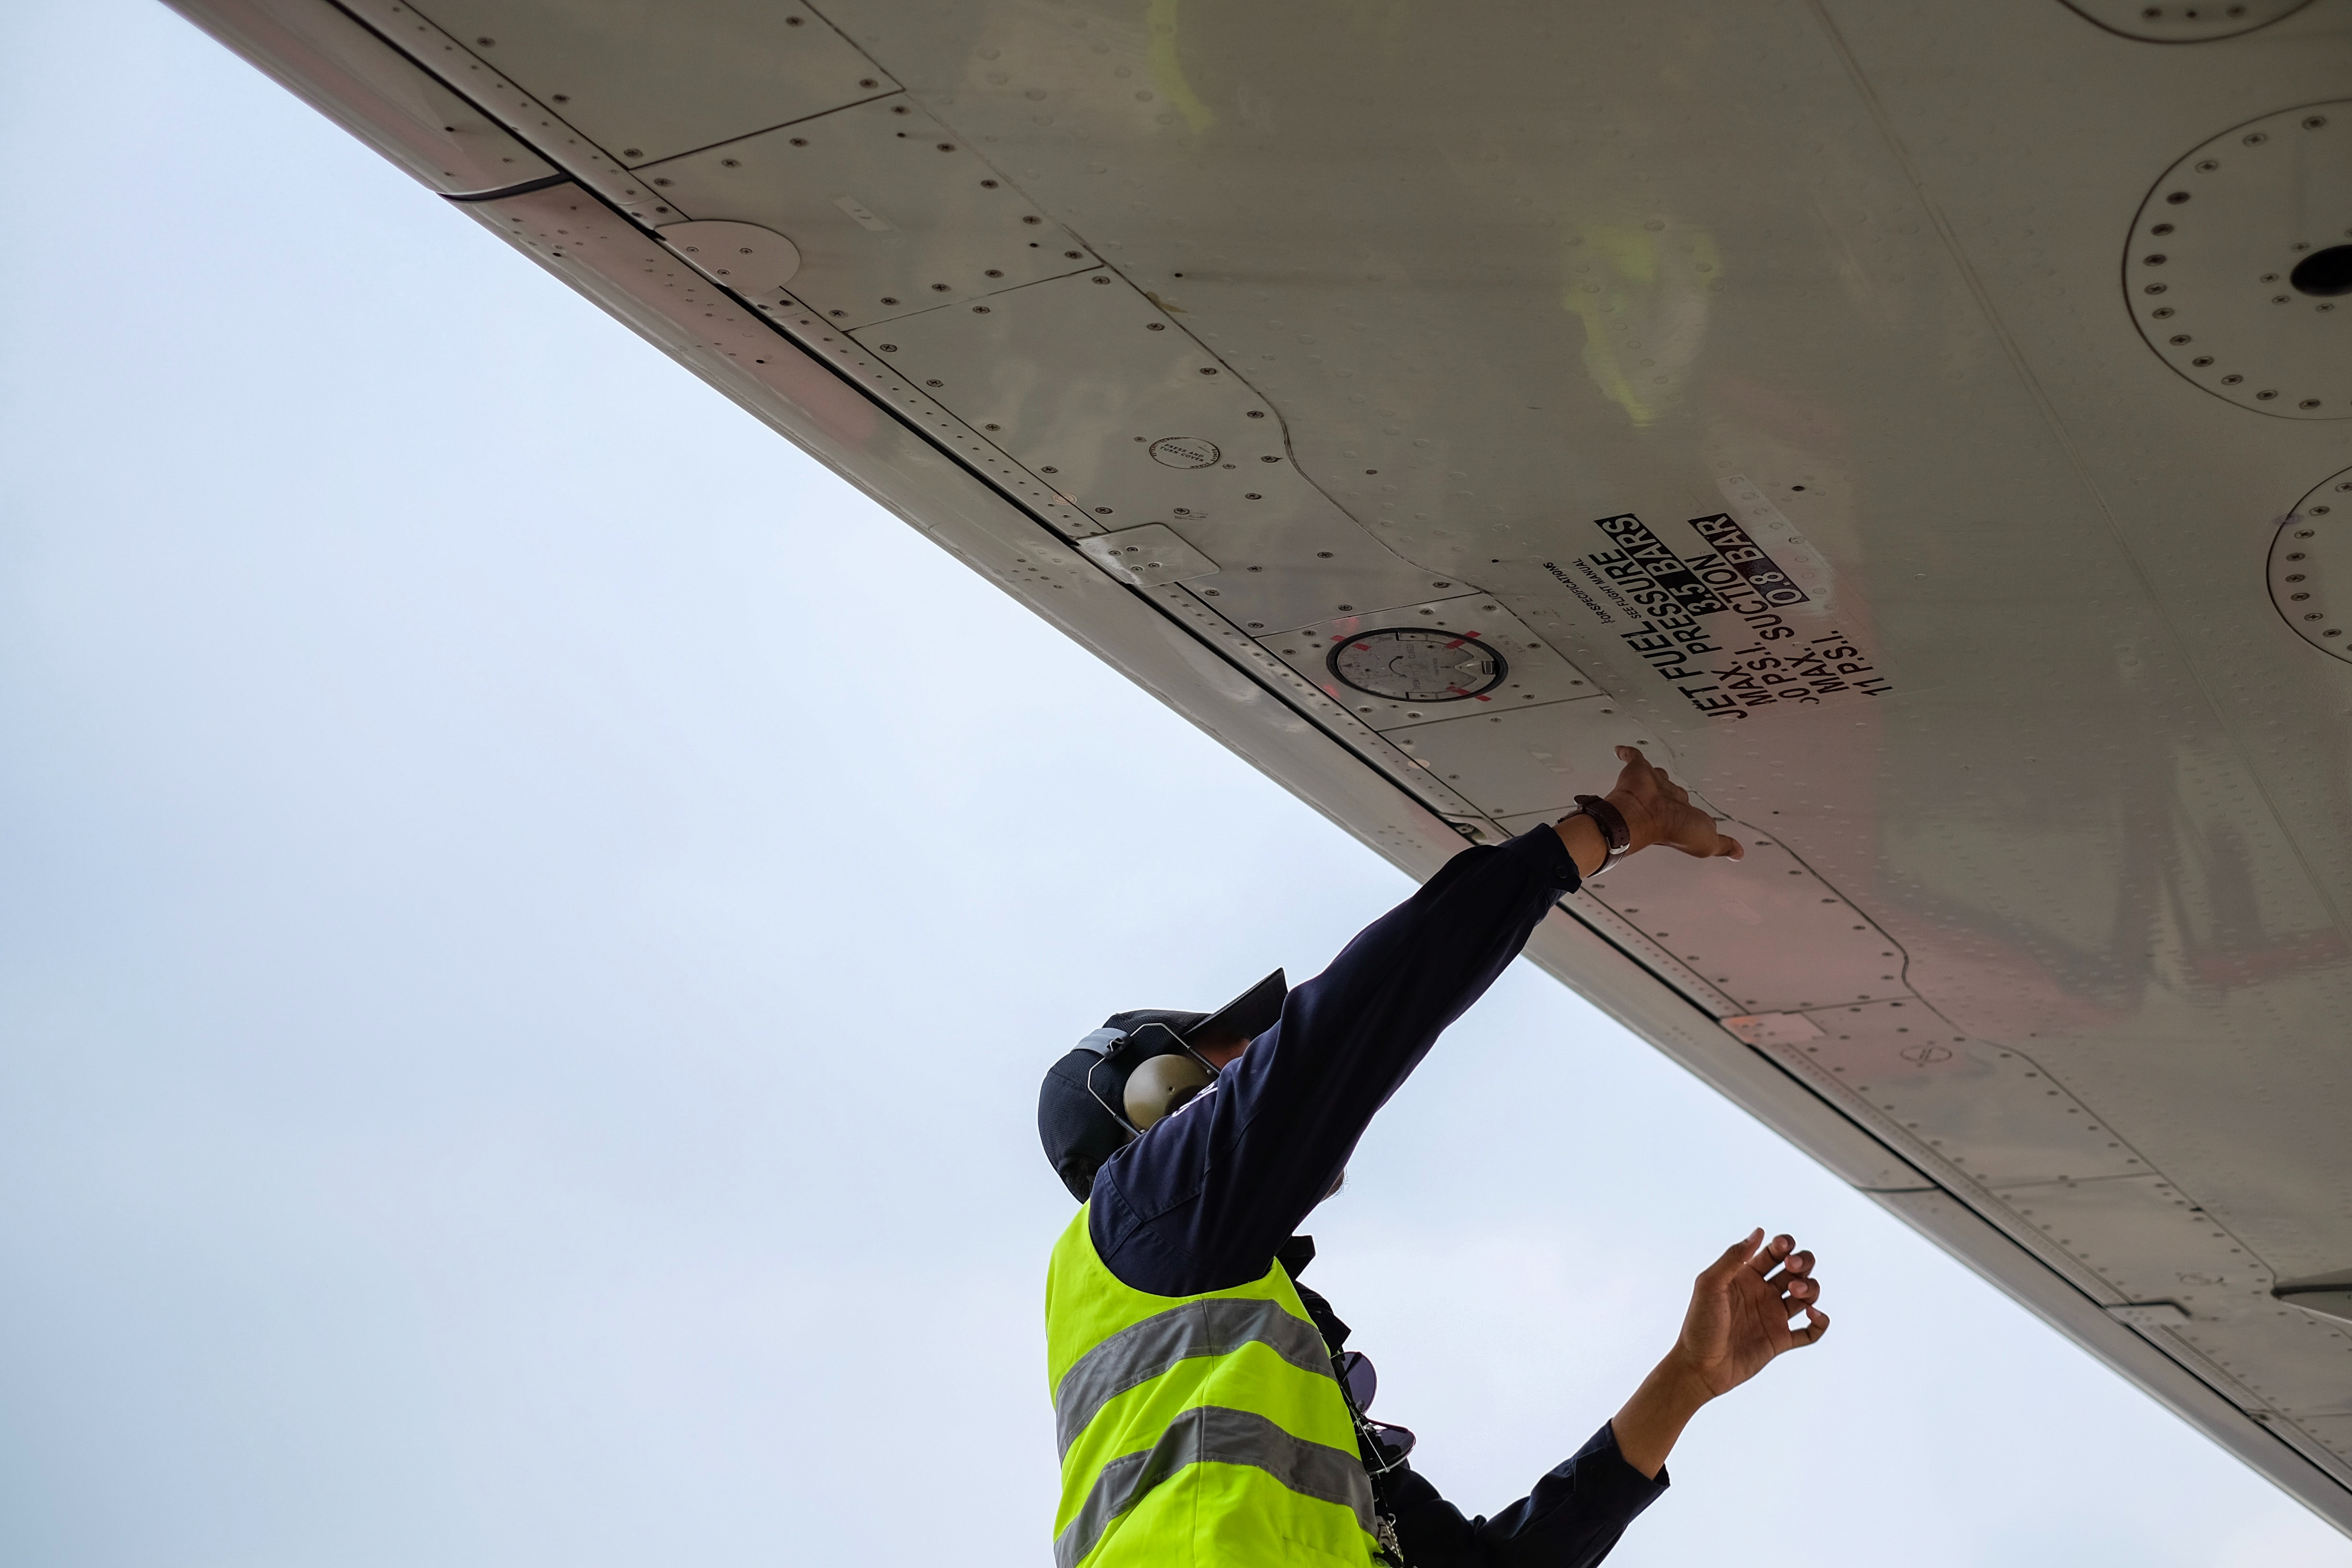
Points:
(1730, 848)
(1799, 1264)
(1770, 1254)
(1734, 1257)
(1817, 1323)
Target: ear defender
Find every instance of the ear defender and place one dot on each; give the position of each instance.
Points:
(1161, 1084)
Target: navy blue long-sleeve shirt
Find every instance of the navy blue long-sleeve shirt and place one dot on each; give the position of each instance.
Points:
(1205, 1199)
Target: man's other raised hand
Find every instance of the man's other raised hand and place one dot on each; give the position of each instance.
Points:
(1737, 1323)
(1740, 1307)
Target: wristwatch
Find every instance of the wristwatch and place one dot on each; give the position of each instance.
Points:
(1610, 820)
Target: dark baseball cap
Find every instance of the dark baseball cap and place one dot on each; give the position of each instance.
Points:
(1075, 1119)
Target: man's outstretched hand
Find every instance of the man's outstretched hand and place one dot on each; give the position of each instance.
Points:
(1659, 811)
(1656, 811)
(1737, 1322)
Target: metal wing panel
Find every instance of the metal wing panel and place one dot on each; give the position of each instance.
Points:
(644, 88)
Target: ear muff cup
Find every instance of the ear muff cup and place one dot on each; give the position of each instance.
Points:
(1157, 1087)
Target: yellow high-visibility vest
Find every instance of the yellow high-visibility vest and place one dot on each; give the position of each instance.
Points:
(1197, 1431)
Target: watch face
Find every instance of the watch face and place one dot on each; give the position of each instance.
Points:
(1413, 665)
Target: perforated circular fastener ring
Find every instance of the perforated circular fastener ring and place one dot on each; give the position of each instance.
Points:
(2184, 21)
(2238, 270)
(2310, 566)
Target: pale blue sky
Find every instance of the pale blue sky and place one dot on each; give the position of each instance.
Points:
(533, 915)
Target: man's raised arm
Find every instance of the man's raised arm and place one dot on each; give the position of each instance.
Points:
(1203, 1199)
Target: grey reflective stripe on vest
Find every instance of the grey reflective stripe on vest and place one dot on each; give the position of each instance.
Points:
(1141, 1352)
(1213, 1434)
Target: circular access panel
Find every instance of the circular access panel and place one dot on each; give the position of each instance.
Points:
(2311, 567)
(1411, 665)
(2239, 268)
(1184, 451)
(2173, 22)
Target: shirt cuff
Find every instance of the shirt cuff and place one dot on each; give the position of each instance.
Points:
(1601, 1463)
(1551, 858)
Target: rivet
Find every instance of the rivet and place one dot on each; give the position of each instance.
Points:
(867, 81)
(889, 347)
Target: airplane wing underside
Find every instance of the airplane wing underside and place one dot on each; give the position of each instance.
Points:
(1926, 430)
